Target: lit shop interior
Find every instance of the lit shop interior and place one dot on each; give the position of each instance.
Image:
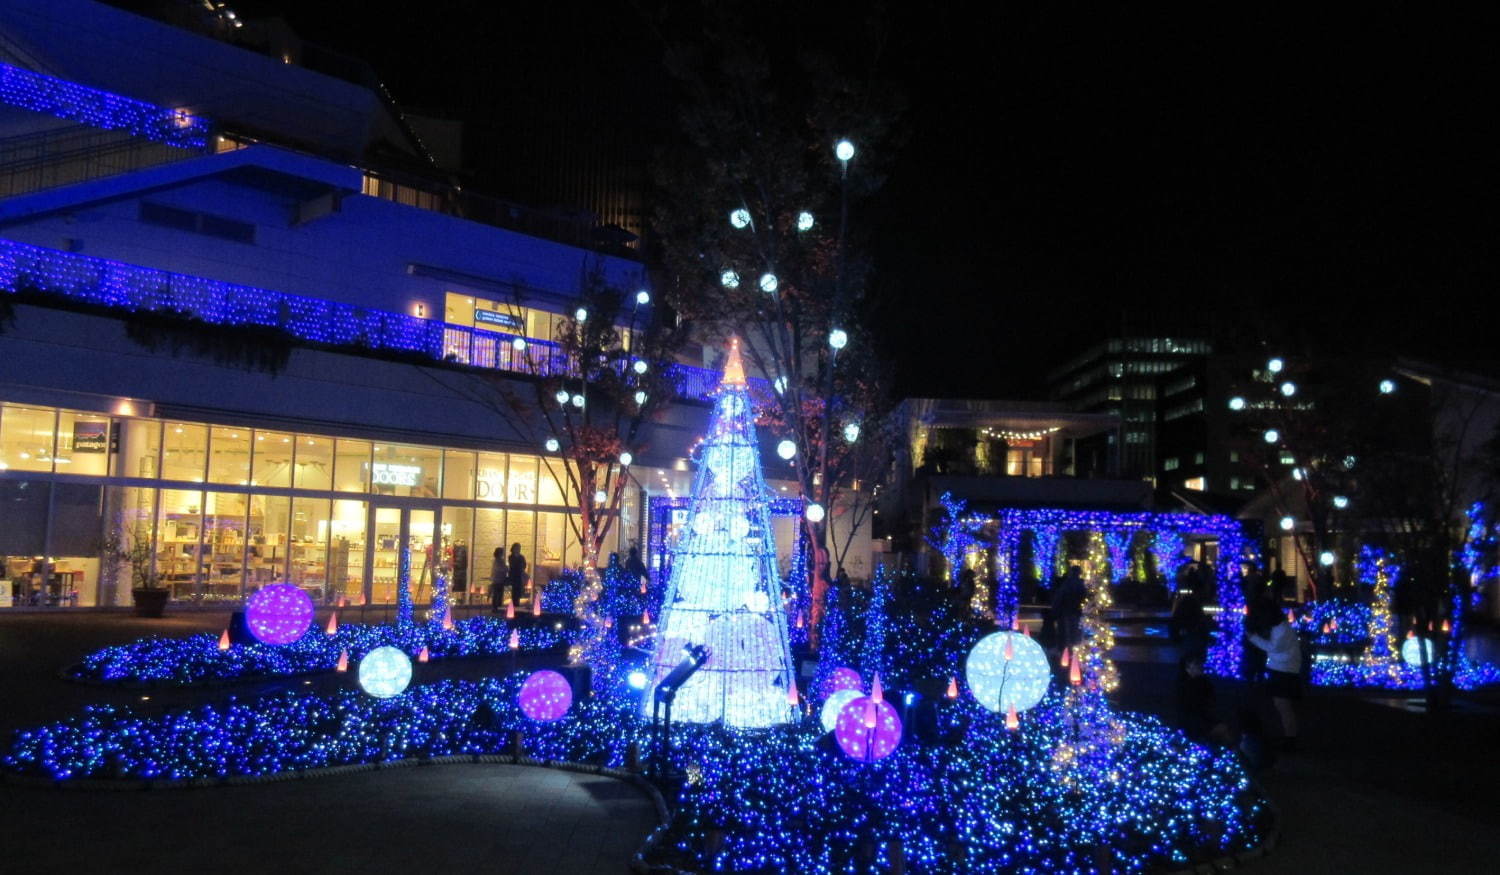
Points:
(92, 505)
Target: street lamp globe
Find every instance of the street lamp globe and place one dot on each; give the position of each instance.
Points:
(838, 338)
(1326, 558)
(804, 221)
(640, 366)
(851, 432)
(740, 218)
(640, 396)
(1387, 387)
(786, 449)
(1236, 403)
(729, 279)
(1341, 501)
(1275, 365)
(1272, 435)
(519, 344)
(581, 314)
(1288, 388)
(552, 445)
(626, 458)
(1287, 524)
(643, 297)
(768, 282)
(577, 400)
(561, 396)
(814, 512)
(843, 150)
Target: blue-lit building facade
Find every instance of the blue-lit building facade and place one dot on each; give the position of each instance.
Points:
(353, 308)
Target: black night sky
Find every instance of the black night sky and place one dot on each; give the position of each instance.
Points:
(1311, 180)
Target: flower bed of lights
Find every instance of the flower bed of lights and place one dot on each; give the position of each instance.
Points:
(197, 659)
(1041, 798)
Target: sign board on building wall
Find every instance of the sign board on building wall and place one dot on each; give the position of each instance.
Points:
(395, 475)
(90, 437)
(504, 320)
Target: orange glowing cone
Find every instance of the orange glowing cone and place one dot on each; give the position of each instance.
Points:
(536, 606)
(1333, 625)
(791, 693)
(1026, 630)
(799, 621)
(224, 640)
(870, 713)
(1326, 630)
(342, 602)
(448, 622)
(510, 610)
(333, 623)
(1012, 722)
(1065, 657)
(643, 587)
(1447, 627)
(952, 688)
(1015, 623)
(1010, 649)
(877, 692)
(515, 639)
(645, 618)
(1075, 675)
(1290, 617)
(1245, 609)
(423, 655)
(343, 661)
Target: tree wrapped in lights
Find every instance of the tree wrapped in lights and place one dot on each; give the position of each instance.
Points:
(1167, 549)
(724, 590)
(1117, 543)
(955, 537)
(1098, 636)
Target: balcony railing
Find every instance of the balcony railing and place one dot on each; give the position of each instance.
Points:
(125, 287)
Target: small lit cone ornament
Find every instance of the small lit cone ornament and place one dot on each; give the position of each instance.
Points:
(645, 618)
(1245, 609)
(343, 664)
(870, 712)
(1333, 625)
(643, 587)
(333, 623)
(224, 640)
(952, 688)
(877, 692)
(1012, 721)
(1065, 657)
(510, 610)
(342, 602)
(536, 605)
(1290, 617)
(1326, 629)
(791, 693)
(448, 622)
(1447, 627)
(423, 655)
(1010, 649)
(1015, 623)
(1026, 630)
(799, 621)
(1075, 675)
(515, 639)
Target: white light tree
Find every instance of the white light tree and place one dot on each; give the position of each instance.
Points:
(724, 590)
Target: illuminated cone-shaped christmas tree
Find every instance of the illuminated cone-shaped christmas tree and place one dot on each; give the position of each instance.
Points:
(724, 589)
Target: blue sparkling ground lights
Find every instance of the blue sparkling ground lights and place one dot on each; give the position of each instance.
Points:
(1041, 798)
(38, 92)
(198, 659)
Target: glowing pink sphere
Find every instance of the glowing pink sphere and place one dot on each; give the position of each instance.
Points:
(546, 696)
(279, 614)
(861, 741)
(842, 679)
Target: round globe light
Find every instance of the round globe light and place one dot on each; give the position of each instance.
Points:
(1236, 403)
(1349, 463)
(838, 339)
(552, 445)
(581, 315)
(600, 497)
(843, 150)
(740, 218)
(1287, 524)
(829, 714)
(1007, 669)
(1272, 435)
(561, 396)
(814, 512)
(769, 283)
(1326, 558)
(1387, 387)
(1297, 474)
(1288, 388)
(1412, 651)
(1341, 501)
(577, 400)
(1275, 365)
(851, 432)
(640, 366)
(279, 614)
(780, 385)
(643, 297)
(868, 729)
(786, 449)
(519, 344)
(546, 696)
(385, 672)
(804, 221)
(626, 459)
(729, 279)
(637, 679)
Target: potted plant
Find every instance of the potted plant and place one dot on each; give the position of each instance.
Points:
(149, 597)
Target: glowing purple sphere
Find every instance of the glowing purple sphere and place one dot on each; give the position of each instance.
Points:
(546, 696)
(279, 614)
(862, 741)
(842, 679)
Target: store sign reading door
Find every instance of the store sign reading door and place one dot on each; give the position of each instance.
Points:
(395, 475)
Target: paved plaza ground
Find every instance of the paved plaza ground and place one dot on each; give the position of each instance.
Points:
(1376, 788)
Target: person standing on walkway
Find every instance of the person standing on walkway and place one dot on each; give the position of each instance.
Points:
(516, 575)
(497, 579)
(1269, 630)
(635, 567)
(1067, 606)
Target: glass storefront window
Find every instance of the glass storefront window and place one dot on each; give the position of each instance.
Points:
(458, 474)
(82, 443)
(549, 547)
(77, 542)
(399, 469)
(22, 540)
(489, 536)
(224, 544)
(26, 438)
(308, 548)
(140, 445)
(265, 560)
(458, 558)
(387, 553)
(346, 551)
(489, 482)
(520, 528)
(314, 462)
(273, 459)
(521, 486)
(549, 490)
(229, 455)
(184, 451)
(351, 467)
(179, 522)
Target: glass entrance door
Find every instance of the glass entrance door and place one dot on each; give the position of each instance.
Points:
(397, 534)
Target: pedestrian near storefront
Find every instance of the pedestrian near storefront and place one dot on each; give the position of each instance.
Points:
(1269, 630)
(516, 575)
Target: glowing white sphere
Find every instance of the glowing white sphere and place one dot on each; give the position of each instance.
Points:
(643, 297)
(1411, 651)
(1272, 435)
(739, 218)
(1387, 387)
(1326, 558)
(1288, 388)
(1297, 474)
(385, 672)
(851, 432)
(814, 512)
(561, 396)
(739, 527)
(581, 314)
(626, 459)
(838, 338)
(758, 602)
(829, 715)
(1287, 524)
(703, 524)
(843, 150)
(729, 279)
(780, 385)
(637, 679)
(1275, 365)
(640, 366)
(1341, 501)
(552, 445)
(519, 344)
(640, 396)
(769, 283)
(804, 221)
(786, 449)
(1349, 462)
(600, 497)
(577, 400)
(1236, 403)
(999, 683)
